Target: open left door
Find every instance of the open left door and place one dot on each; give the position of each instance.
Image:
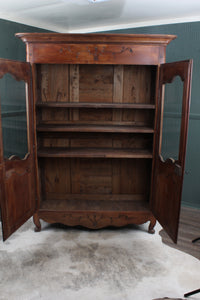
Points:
(17, 168)
(170, 144)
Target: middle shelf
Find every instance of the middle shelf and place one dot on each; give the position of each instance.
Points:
(93, 128)
(93, 152)
(53, 104)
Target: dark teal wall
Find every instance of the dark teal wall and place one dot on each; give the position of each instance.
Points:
(12, 92)
(10, 46)
(187, 45)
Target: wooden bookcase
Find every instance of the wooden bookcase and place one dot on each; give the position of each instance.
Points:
(95, 126)
(95, 121)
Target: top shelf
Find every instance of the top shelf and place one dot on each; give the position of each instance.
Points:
(95, 105)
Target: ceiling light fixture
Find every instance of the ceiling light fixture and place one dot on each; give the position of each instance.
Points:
(83, 2)
(97, 1)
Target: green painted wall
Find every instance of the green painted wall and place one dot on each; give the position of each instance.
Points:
(187, 45)
(12, 92)
(10, 46)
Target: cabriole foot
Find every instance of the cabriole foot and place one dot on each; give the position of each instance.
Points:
(151, 226)
(37, 223)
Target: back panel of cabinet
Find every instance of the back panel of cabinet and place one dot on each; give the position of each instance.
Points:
(95, 126)
(96, 83)
(62, 178)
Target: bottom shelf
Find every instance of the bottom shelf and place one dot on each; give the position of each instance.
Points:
(96, 213)
(107, 203)
(94, 152)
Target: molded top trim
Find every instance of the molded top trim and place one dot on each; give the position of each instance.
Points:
(98, 38)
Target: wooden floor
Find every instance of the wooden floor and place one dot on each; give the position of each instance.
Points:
(189, 230)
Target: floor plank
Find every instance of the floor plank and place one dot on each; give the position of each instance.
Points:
(189, 229)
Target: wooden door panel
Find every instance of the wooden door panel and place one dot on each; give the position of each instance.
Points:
(168, 187)
(17, 188)
(168, 175)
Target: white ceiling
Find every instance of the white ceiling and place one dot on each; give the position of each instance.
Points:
(93, 15)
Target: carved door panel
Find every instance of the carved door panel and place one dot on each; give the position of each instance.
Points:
(170, 149)
(17, 175)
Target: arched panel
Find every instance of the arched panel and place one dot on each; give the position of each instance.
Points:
(170, 144)
(17, 172)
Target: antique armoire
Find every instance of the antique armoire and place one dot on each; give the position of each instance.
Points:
(94, 115)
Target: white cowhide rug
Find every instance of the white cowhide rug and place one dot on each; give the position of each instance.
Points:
(109, 264)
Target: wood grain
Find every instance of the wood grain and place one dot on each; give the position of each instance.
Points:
(93, 128)
(53, 83)
(118, 90)
(168, 175)
(189, 229)
(96, 111)
(97, 104)
(18, 190)
(94, 152)
(74, 90)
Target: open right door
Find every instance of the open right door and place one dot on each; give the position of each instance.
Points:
(170, 143)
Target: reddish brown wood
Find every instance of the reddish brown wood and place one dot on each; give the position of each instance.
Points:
(95, 105)
(37, 223)
(99, 118)
(74, 90)
(93, 128)
(96, 220)
(34, 91)
(18, 188)
(115, 211)
(96, 114)
(96, 140)
(118, 77)
(94, 152)
(94, 176)
(95, 49)
(98, 121)
(66, 199)
(168, 175)
(95, 54)
(52, 82)
(159, 39)
(20, 71)
(152, 225)
(109, 203)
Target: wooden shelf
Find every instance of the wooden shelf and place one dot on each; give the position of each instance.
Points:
(75, 203)
(95, 105)
(94, 152)
(93, 128)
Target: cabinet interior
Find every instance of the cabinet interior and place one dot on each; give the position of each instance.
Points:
(95, 130)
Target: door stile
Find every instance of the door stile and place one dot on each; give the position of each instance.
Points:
(17, 186)
(168, 174)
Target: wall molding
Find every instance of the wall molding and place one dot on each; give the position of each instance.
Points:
(131, 25)
(8, 16)
(195, 116)
(174, 115)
